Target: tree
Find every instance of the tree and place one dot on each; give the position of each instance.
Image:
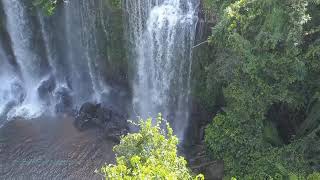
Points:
(273, 47)
(150, 153)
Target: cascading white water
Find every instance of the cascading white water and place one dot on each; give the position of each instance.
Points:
(63, 55)
(55, 58)
(18, 26)
(83, 51)
(7, 80)
(162, 32)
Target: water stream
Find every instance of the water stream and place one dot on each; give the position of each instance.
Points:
(162, 32)
(55, 57)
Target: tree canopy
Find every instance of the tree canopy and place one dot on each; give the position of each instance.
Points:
(150, 153)
(272, 48)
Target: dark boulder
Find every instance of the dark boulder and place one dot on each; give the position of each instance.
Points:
(113, 123)
(87, 116)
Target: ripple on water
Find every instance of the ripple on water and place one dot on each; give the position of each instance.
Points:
(51, 149)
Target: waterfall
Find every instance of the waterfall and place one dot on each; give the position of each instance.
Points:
(162, 33)
(62, 61)
(83, 50)
(59, 61)
(9, 87)
(20, 31)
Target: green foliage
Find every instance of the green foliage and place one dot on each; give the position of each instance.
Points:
(118, 64)
(204, 92)
(48, 6)
(150, 153)
(116, 3)
(273, 50)
(314, 176)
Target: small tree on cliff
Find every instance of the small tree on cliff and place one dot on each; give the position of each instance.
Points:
(149, 154)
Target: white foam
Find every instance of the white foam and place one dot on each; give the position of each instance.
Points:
(162, 32)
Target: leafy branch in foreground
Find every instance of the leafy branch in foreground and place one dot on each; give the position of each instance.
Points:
(150, 153)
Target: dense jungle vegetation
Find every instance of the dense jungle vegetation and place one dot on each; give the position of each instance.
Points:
(262, 77)
(266, 64)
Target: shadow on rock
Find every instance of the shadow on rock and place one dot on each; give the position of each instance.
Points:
(92, 115)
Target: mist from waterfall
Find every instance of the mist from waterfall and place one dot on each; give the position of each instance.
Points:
(56, 61)
(9, 91)
(162, 33)
(18, 26)
(81, 22)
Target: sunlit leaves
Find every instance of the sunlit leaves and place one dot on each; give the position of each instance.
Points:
(266, 38)
(48, 6)
(150, 153)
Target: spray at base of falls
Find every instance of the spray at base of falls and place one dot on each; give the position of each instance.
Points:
(19, 29)
(162, 32)
(57, 59)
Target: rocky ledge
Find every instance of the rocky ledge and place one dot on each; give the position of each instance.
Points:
(113, 123)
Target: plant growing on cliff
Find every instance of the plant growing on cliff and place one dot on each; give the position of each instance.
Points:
(48, 6)
(116, 3)
(150, 153)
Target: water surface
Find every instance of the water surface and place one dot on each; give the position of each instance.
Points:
(51, 149)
